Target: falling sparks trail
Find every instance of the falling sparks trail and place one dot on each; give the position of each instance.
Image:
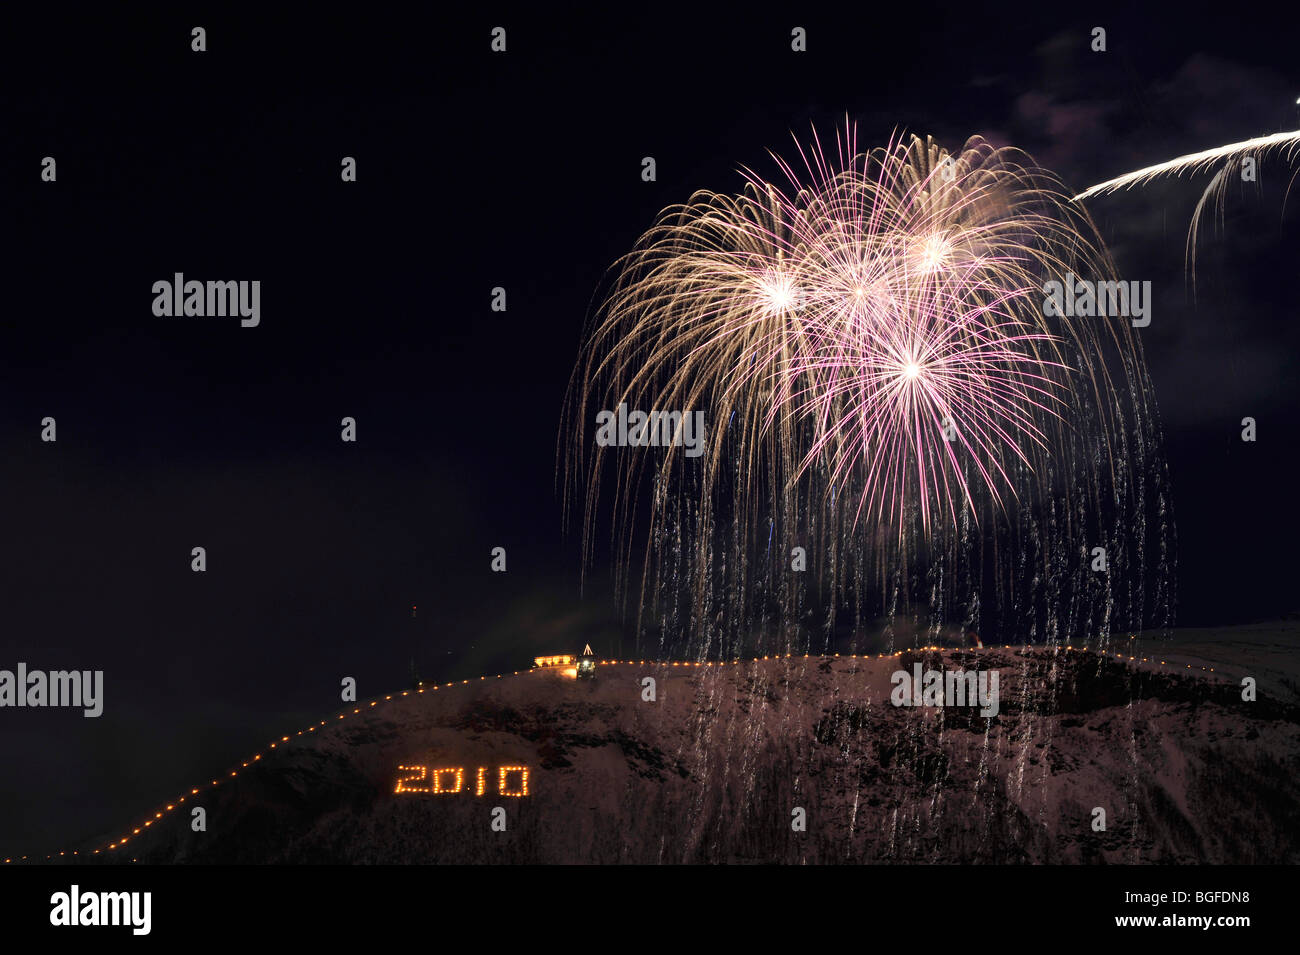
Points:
(1196, 162)
(1227, 158)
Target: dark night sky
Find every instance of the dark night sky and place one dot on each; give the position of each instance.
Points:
(478, 170)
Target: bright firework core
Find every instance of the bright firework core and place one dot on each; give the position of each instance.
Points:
(934, 253)
(777, 291)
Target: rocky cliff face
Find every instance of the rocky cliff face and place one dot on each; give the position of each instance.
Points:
(715, 768)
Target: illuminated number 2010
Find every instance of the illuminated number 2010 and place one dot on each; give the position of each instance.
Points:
(448, 780)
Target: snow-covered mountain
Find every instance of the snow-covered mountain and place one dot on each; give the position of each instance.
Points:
(715, 768)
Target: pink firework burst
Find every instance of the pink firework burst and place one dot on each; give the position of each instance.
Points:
(870, 344)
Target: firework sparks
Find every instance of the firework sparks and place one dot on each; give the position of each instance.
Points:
(1227, 159)
(871, 345)
(1195, 163)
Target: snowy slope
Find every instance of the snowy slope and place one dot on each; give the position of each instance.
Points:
(712, 769)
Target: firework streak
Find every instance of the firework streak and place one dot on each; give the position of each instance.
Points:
(1197, 162)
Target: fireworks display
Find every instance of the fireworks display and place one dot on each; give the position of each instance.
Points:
(883, 389)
